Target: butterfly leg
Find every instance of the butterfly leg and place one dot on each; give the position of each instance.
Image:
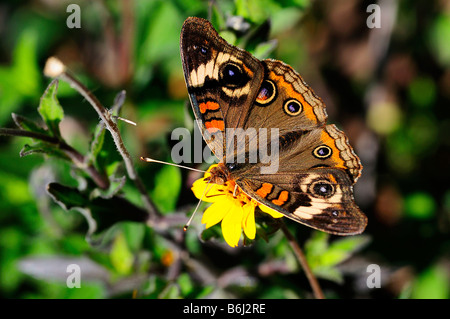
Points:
(235, 190)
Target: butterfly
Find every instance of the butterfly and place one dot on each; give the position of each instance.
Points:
(230, 89)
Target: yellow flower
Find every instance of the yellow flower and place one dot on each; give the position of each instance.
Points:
(235, 209)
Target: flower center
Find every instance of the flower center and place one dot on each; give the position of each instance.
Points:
(235, 193)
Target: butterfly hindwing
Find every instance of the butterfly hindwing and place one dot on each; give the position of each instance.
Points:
(316, 160)
(321, 199)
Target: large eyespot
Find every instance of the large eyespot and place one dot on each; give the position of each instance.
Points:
(292, 107)
(266, 94)
(232, 75)
(322, 189)
(322, 152)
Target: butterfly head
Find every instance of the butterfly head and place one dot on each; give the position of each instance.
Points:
(220, 174)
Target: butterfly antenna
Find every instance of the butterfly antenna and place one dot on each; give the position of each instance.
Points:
(151, 160)
(196, 208)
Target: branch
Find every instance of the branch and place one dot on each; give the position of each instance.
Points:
(76, 157)
(303, 263)
(55, 68)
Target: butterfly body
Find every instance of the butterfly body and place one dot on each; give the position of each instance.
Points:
(243, 106)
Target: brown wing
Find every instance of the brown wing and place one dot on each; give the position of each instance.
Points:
(320, 198)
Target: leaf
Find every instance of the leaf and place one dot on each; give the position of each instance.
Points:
(263, 49)
(432, 284)
(420, 205)
(329, 273)
(134, 234)
(167, 188)
(323, 257)
(44, 148)
(27, 124)
(50, 109)
(97, 142)
(121, 257)
(343, 248)
(439, 34)
(105, 212)
(185, 283)
(66, 197)
(22, 79)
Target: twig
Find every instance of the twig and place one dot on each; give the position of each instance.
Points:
(303, 263)
(76, 157)
(55, 68)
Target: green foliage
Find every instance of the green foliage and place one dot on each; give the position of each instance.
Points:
(323, 257)
(20, 81)
(432, 283)
(165, 194)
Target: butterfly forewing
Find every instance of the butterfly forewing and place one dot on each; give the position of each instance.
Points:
(220, 80)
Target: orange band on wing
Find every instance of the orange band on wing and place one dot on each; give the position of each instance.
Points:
(332, 179)
(215, 125)
(282, 198)
(209, 105)
(308, 109)
(264, 190)
(328, 140)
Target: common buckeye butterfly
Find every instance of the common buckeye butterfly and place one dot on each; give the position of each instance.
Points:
(230, 88)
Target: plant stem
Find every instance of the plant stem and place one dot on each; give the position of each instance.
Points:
(111, 126)
(318, 294)
(76, 157)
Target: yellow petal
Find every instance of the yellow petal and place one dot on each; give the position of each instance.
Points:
(248, 222)
(270, 211)
(216, 212)
(231, 225)
(207, 193)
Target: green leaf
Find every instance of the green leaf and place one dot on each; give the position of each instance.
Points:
(420, 205)
(167, 188)
(170, 292)
(121, 257)
(105, 212)
(439, 34)
(185, 283)
(66, 197)
(27, 124)
(316, 245)
(21, 80)
(329, 273)
(134, 234)
(263, 49)
(422, 91)
(43, 148)
(343, 248)
(432, 284)
(88, 290)
(50, 109)
(97, 143)
(324, 257)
